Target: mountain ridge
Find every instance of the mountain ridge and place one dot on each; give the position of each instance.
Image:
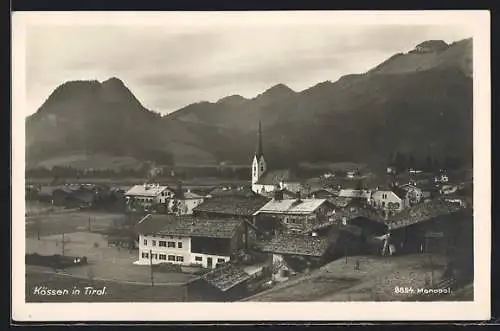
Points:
(206, 132)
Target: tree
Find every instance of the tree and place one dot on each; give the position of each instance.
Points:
(392, 159)
(400, 161)
(428, 163)
(411, 162)
(37, 228)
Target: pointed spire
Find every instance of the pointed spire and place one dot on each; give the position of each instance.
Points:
(259, 152)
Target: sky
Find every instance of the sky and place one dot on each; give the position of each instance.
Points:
(170, 66)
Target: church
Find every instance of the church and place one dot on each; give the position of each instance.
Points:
(265, 181)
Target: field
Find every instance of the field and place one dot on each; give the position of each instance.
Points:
(105, 263)
(376, 280)
(194, 183)
(107, 266)
(94, 161)
(66, 221)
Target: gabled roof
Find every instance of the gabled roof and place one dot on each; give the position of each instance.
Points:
(295, 245)
(422, 212)
(367, 213)
(186, 226)
(191, 195)
(226, 277)
(150, 190)
(353, 193)
(232, 205)
(273, 177)
(291, 206)
(340, 202)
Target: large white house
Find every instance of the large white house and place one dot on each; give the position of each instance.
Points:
(188, 241)
(388, 200)
(147, 195)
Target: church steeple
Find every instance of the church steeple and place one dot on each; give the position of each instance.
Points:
(259, 152)
(259, 166)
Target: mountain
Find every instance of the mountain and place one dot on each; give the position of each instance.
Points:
(419, 102)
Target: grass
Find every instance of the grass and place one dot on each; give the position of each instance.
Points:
(375, 281)
(105, 263)
(68, 222)
(94, 161)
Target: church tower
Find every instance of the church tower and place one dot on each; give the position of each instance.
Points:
(259, 166)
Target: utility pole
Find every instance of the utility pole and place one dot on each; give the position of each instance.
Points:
(63, 242)
(432, 270)
(151, 267)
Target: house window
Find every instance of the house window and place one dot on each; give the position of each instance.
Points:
(153, 242)
(154, 256)
(171, 257)
(171, 244)
(163, 257)
(180, 258)
(179, 245)
(162, 243)
(145, 255)
(145, 242)
(198, 258)
(220, 260)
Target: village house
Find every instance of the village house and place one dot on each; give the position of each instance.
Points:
(229, 191)
(230, 282)
(297, 253)
(185, 240)
(354, 193)
(430, 227)
(148, 195)
(441, 178)
(291, 215)
(414, 194)
(448, 189)
(323, 193)
(230, 207)
(391, 170)
(352, 173)
(184, 203)
(388, 200)
(69, 196)
(265, 180)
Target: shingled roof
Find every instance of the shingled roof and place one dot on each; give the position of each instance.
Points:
(186, 226)
(232, 205)
(291, 206)
(422, 212)
(226, 277)
(295, 245)
(337, 218)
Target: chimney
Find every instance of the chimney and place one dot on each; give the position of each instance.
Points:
(278, 194)
(298, 197)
